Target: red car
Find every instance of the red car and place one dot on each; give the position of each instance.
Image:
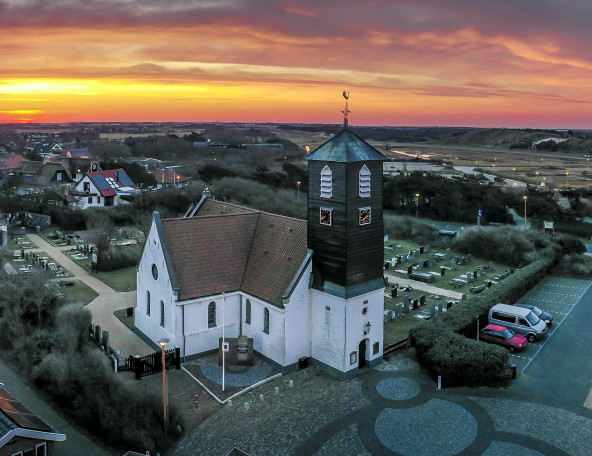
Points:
(498, 334)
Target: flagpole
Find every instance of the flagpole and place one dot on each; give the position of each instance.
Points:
(223, 327)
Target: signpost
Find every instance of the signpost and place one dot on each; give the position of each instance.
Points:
(196, 400)
(479, 218)
(95, 260)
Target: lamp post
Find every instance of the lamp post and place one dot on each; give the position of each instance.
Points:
(525, 198)
(537, 175)
(417, 206)
(298, 189)
(515, 186)
(566, 179)
(513, 174)
(477, 328)
(163, 341)
(223, 340)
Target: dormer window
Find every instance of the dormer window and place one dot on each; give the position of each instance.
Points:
(364, 182)
(326, 182)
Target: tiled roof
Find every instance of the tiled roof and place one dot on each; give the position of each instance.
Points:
(169, 176)
(75, 153)
(347, 147)
(242, 249)
(213, 207)
(12, 162)
(6, 425)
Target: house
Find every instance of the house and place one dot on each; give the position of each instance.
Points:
(168, 177)
(103, 188)
(33, 176)
(22, 433)
(309, 289)
(78, 162)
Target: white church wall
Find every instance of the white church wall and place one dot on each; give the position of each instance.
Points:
(328, 329)
(160, 290)
(297, 321)
(199, 337)
(356, 325)
(272, 344)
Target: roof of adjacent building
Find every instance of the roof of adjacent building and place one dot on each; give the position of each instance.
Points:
(168, 176)
(228, 248)
(75, 153)
(12, 162)
(346, 147)
(112, 182)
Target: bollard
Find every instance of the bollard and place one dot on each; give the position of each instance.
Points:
(177, 357)
(229, 402)
(291, 384)
(277, 390)
(261, 396)
(513, 367)
(138, 367)
(439, 382)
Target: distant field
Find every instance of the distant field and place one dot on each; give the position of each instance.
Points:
(127, 135)
(552, 168)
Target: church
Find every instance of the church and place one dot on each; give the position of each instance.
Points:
(312, 289)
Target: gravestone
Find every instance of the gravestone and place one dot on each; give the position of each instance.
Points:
(475, 272)
(389, 314)
(449, 304)
(433, 310)
(453, 265)
(410, 254)
(422, 300)
(442, 271)
(447, 254)
(415, 303)
(406, 303)
(387, 264)
(105, 339)
(409, 269)
(399, 259)
(398, 310)
(428, 248)
(431, 260)
(97, 335)
(490, 268)
(469, 258)
(440, 308)
(394, 292)
(469, 277)
(421, 249)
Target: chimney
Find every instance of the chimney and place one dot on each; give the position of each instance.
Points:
(206, 192)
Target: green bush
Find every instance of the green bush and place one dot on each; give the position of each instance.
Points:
(442, 345)
(119, 257)
(574, 266)
(410, 228)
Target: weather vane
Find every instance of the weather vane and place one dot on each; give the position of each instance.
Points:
(346, 96)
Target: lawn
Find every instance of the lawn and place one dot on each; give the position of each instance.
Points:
(80, 293)
(119, 279)
(15, 240)
(130, 322)
(18, 262)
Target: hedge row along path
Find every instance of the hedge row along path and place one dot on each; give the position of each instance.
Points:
(103, 306)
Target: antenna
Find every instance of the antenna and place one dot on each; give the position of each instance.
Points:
(346, 111)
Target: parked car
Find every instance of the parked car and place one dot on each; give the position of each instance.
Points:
(498, 334)
(545, 316)
(520, 320)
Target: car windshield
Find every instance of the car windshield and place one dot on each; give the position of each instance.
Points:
(532, 319)
(508, 334)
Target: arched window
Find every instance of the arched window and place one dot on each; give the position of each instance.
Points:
(162, 314)
(326, 182)
(266, 321)
(148, 303)
(364, 182)
(212, 314)
(248, 313)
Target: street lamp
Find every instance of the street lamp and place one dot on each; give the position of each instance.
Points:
(515, 186)
(537, 174)
(298, 191)
(513, 173)
(525, 198)
(163, 341)
(417, 207)
(566, 179)
(368, 326)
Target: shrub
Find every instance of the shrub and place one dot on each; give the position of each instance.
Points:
(409, 228)
(442, 345)
(119, 257)
(574, 266)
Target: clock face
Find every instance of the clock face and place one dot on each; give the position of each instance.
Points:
(365, 216)
(326, 216)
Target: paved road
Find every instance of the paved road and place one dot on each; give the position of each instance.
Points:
(76, 444)
(103, 306)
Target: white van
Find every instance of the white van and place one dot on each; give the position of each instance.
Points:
(518, 319)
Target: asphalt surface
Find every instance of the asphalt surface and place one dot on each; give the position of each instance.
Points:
(558, 367)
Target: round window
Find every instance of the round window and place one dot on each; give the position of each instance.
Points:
(364, 310)
(154, 272)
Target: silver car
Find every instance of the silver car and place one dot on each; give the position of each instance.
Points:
(518, 319)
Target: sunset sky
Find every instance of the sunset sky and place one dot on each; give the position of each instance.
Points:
(502, 63)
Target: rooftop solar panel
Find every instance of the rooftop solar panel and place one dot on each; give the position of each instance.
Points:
(101, 182)
(125, 180)
(19, 414)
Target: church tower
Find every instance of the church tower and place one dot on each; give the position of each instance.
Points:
(345, 233)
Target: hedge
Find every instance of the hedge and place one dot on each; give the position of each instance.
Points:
(442, 343)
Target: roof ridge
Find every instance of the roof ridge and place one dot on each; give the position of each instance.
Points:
(209, 216)
(250, 250)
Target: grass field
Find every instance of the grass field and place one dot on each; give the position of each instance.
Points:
(80, 294)
(14, 242)
(130, 322)
(119, 279)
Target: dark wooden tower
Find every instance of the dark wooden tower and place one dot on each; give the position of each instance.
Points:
(345, 224)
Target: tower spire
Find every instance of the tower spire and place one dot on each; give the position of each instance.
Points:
(346, 111)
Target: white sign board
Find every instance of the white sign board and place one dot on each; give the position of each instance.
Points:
(94, 257)
(225, 346)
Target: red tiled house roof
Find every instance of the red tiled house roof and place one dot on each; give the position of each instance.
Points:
(252, 251)
(13, 162)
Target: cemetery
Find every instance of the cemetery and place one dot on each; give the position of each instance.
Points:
(22, 263)
(425, 281)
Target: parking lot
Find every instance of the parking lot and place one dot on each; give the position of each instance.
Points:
(562, 355)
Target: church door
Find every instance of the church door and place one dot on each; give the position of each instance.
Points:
(362, 354)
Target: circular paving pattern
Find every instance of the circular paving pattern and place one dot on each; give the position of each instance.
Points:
(398, 388)
(451, 429)
(506, 448)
